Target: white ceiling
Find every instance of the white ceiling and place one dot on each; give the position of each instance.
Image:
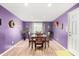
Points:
(38, 11)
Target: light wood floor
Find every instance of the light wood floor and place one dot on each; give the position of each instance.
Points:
(22, 49)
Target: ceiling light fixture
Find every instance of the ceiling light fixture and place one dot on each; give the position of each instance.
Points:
(26, 4)
(49, 5)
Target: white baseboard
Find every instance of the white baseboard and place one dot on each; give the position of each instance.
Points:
(74, 52)
(9, 49)
(60, 45)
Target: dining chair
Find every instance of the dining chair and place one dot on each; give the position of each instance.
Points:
(38, 43)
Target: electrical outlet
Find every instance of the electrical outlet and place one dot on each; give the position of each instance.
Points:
(12, 42)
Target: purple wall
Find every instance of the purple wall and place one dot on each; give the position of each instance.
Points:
(7, 34)
(48, 27)
(27, 27)
(60, 35)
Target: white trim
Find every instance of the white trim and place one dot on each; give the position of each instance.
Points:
(74, 52)
(10, 48)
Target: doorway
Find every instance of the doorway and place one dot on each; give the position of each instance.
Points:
(73, 36)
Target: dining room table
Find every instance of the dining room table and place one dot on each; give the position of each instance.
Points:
(34, 37)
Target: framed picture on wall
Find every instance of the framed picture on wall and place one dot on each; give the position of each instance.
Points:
(57, 23)
(54, 24)
(11, 24)
(0, 21)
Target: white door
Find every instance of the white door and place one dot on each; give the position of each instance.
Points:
(73, 36)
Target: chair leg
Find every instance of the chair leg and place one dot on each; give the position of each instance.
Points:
(42, 46)
(48, 43)
(35, 47)
(32, 45)
(45, 45)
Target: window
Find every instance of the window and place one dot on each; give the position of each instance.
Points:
(37, 27)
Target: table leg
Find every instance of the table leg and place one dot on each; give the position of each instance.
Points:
(45, 43)
(48, 43)
(32, 44)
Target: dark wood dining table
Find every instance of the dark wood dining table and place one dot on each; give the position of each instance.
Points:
(34, 37)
